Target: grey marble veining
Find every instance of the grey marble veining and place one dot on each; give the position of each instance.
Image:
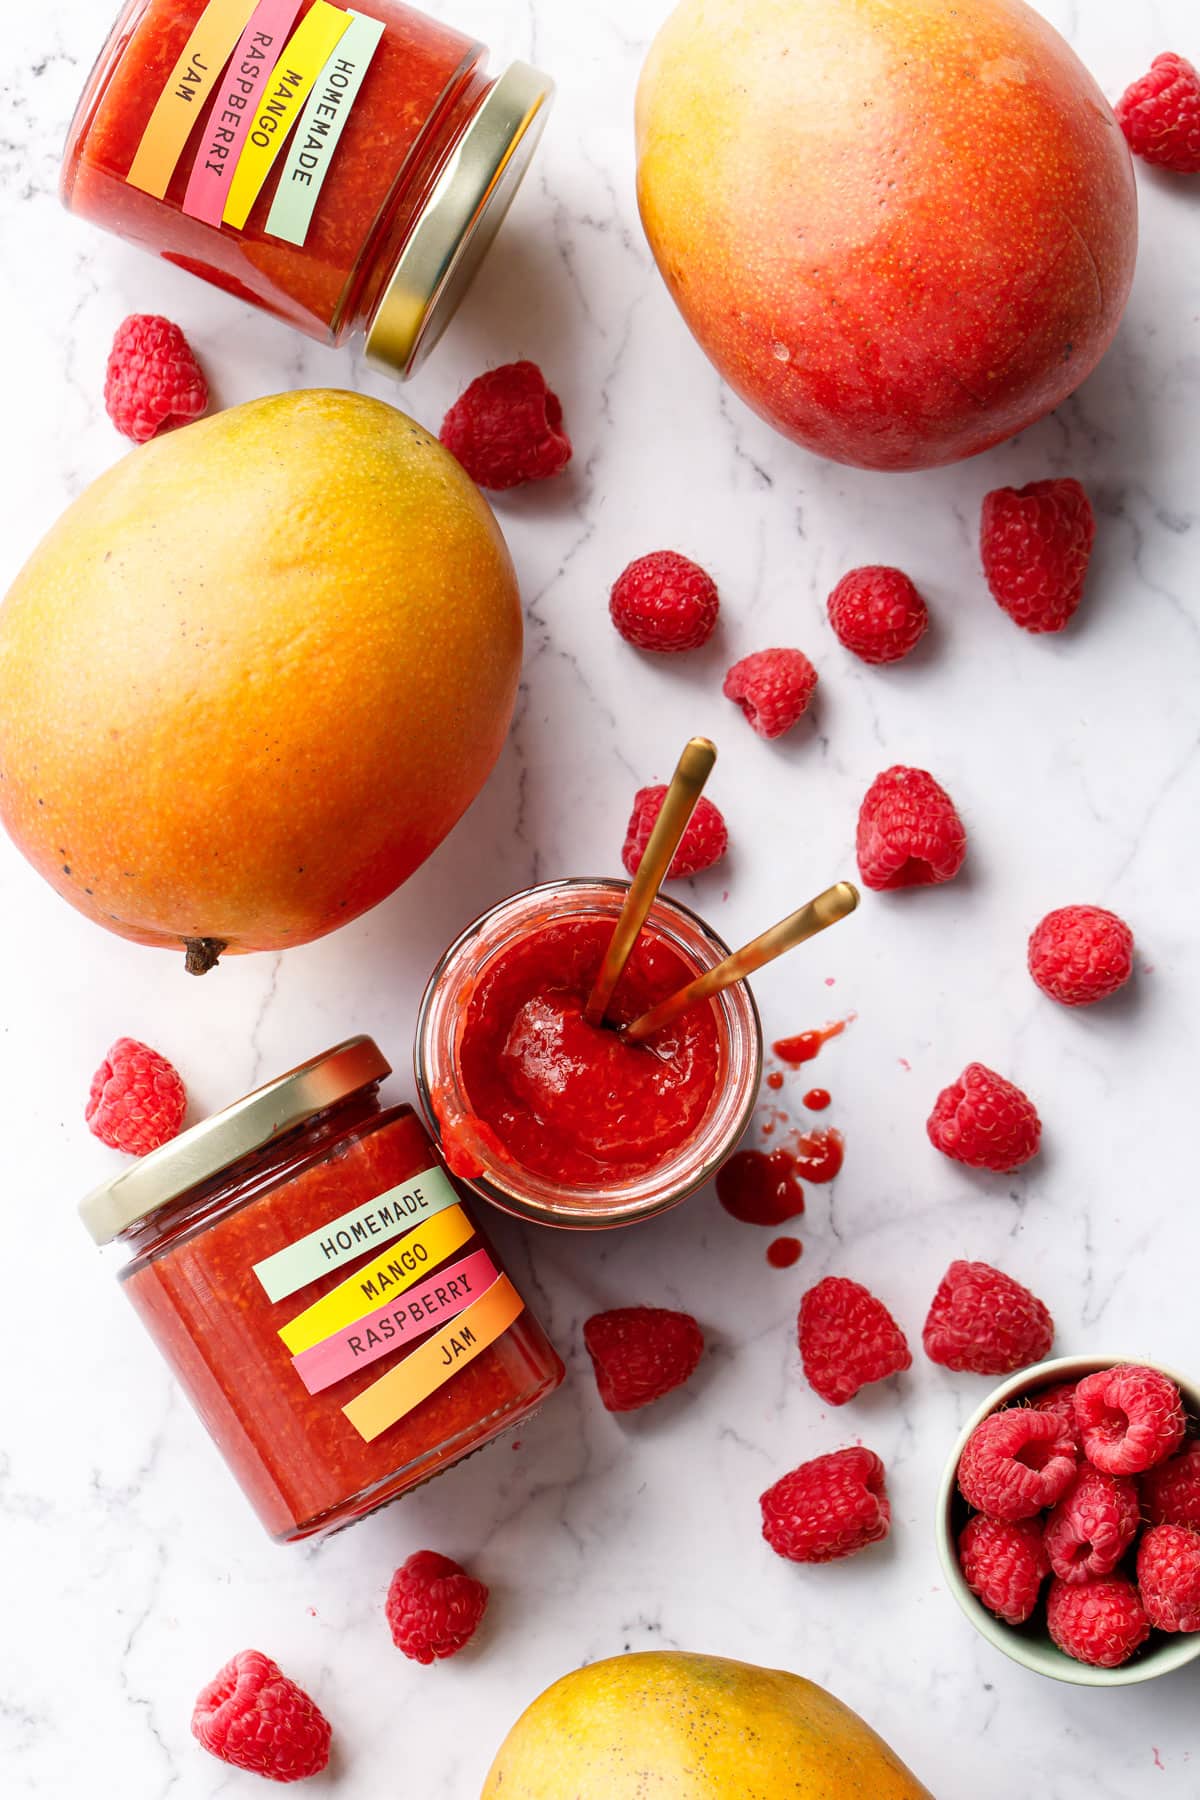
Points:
(132, 1567)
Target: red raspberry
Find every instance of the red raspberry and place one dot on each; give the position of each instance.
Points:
(1100, 1622)
(877, 614)
(1015, 1464)
(1060, 1400)
(848, 1338)
(137, 1100)
(664, 602)
(773, 688)
(1171, 1491)
(703, 843)
(507, 428)
(1080, 954)
(909, 834)
(828, 1508)
(1160, 115)
(1004, 1564)
(984, 1321)
(153, 382)
(1036, 543)
(253, 1717)
(1168, 1572)
(985, 1121)
(640, 1353)
(1129, 1418)
(1093, 1525)
(433, 1606)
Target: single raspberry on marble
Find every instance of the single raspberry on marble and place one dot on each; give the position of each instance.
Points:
(433, 1606)
(774, 689)
(877, 614)
(909, 834)
(253, 1717)
(1004, 1564)
(1160, 115)
(640, 1353)
(828, 1508)
(137, 1099)
(985, 1121)
(983, 1321)
(665, 602)
(1081, 954)
(1129, 1418)
(1101, 1621)
(1171, 1490)
(1059, 1400)
(153, 382)
(1092, 1526)
(1168, 1573)
(1036, 543)
(703, 844)
(506, 429)
(1016, 1463)
(848, 1339)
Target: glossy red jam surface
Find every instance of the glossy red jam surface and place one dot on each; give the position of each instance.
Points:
(299, 1460)
(573, 1102)
(423, 86)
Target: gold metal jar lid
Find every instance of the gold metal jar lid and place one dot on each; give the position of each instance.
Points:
(241, 1129)
(460, 220)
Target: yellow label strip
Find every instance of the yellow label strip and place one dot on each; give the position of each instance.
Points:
(295, 75)
(195, 75)
(412, 1258)
(440, 1357)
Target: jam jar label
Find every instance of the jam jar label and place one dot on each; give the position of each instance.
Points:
(265, 88)
(343, 1240)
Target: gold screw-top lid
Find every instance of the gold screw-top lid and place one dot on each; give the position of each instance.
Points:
(241, 1129)
(459, 221)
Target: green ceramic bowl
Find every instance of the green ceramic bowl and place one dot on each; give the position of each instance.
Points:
(1031, 1644)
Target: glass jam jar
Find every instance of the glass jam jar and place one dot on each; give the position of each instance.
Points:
(563, 1122)
(324, 1295)
(344, 169)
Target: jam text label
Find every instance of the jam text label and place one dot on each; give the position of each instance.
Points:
(182, 101)
(436, 1360)
(321, 125)
(234, 107)
(400, 1322)
(292, 81)
(411, 1260)
(343, 1240)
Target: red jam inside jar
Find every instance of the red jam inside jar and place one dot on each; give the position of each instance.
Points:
(325, 1297)
(563, 1121)
(343, 168)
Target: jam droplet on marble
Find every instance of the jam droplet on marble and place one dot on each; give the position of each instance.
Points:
(817, 1099)
(817, 1155)
(784, 1252)
(805, 1045)
(761, 1188)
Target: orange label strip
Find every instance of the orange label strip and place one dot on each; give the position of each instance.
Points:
(449, 1350)
(214, 37)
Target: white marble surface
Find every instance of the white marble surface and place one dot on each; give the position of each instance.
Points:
(132, 1568)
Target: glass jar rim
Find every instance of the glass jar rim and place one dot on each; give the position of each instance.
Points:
(248, 1125)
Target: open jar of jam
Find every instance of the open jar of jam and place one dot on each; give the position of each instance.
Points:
(344, 168)
(565, 1122)
(324, 1295)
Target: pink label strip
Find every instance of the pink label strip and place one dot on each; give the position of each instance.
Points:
(402, 1322)
(233, 108)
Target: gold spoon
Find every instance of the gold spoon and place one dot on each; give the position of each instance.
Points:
(687, 784)
(834, 904)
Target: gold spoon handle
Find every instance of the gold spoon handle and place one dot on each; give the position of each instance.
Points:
(834, 904)
(687, 784)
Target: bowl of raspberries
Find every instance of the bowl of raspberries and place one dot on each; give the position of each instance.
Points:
(1069, 1520)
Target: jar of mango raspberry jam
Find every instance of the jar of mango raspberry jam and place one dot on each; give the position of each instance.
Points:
(343, 168)
(324, 1295)
(568, 1123)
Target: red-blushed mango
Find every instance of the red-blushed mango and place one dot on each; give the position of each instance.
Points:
(665, 1724)
(255, 673)
(902, 229)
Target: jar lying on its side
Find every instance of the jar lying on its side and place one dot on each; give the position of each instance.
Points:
(324, 1295)
(345, 169)
(565, 1122)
